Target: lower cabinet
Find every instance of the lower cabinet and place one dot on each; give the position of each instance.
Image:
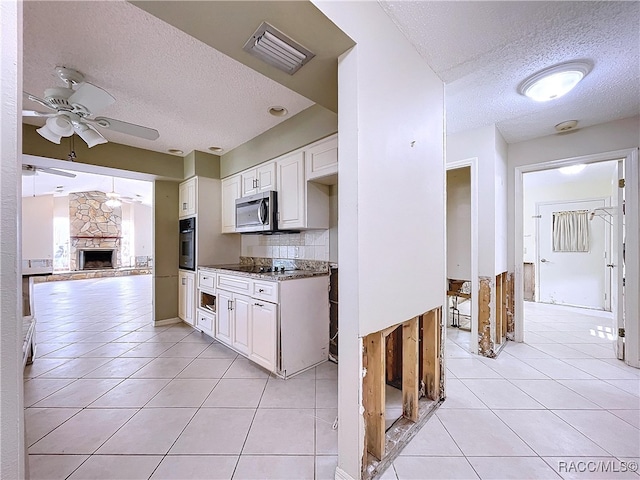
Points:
(186, 296)
(223, 317)
(233, 321)
(264, 331)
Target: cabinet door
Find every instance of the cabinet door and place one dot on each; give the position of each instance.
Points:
(322, 158)
(291, 191)
(249, 183)
(186, 296)
(224, 316)
(240, 333)
(187, 196)
(230, 192)
(264, 328)
(266, 177)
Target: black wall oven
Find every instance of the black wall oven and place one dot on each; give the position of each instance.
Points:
(188, 243)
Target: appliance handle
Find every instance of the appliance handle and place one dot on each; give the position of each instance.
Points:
(261, 211)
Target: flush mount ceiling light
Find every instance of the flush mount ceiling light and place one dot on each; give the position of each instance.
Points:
(277, 49)
(572, 169)
(278, 111)
(566, 126)
(554, 82)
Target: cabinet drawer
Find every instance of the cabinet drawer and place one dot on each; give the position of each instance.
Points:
(206, 280)
(205, 322)
(234, 283)
(265, 291)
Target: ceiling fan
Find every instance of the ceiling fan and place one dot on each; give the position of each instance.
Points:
(75, 106)
(28, 170)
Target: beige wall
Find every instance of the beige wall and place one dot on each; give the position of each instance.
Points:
(201, 164)
(166, 247)
(112, 155)
(302, 129)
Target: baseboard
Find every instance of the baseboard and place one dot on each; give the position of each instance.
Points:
(166, 321)
(342, 475)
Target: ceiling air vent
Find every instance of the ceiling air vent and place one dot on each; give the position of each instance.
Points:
(274, 47)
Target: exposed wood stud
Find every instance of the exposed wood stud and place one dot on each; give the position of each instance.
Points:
(510, 307)
(430, 354)
(485, 343)
(410, 381)
(374, 394)
(505, 305)
(498, 310)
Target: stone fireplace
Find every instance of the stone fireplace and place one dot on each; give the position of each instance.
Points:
(95, 232)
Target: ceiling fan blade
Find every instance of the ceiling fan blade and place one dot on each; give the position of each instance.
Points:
(54, 171)
(39, 100)
(34, 113)
(128, 128)
(92, 98)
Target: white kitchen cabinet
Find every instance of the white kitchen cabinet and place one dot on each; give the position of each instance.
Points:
(321, 161)
(186, 296)
(205, 322)
(264, 334)
(231, 191)
(224, 317)
(187, 194)
(301, 204)
(240, 333)
(260, 179)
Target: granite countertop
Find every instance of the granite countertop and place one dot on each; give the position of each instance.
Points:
(250, 271)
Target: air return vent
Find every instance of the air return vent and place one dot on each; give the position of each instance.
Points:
(274, 47)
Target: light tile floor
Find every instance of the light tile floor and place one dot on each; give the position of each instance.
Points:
(112, 397)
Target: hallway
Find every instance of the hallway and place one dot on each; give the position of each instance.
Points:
(110, 396)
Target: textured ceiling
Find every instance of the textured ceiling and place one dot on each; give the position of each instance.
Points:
(483, 50)
(195, 96)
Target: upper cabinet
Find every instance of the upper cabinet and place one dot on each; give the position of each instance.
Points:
(231, 191)
(187, 194)
(301, 179)
(260, 179)
(321, 160)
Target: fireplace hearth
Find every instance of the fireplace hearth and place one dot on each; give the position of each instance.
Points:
(96, 258)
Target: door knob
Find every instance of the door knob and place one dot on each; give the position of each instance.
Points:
(610, 265)
(544, 260)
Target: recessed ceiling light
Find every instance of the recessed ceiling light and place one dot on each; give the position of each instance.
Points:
(216, 149)
(175, 151)
(278, 111)
(566, 126)
(572, 169)
(554, 82)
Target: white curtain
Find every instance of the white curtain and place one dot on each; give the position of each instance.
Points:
(571, 231)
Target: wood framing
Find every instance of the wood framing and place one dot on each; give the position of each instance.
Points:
(410, 380)
(498, 309)
(511, 301)
(430, 353)
(485, 342)
(374, 393)
(504, 317)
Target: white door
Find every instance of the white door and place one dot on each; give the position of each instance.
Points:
(241, 323)
(231, 189)
(291, 191)
(264, 326)
(616, 261)
(223, 317)
(572, 278)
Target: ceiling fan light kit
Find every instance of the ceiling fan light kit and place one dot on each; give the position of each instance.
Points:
(73, 107)
(555, 81)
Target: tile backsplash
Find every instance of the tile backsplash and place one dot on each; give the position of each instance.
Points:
(309, 245)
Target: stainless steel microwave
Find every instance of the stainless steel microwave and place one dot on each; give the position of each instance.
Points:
(257, 213)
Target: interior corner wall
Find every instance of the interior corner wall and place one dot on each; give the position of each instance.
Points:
(602, 138)
(165, 251)
(480, 143)
(501, 205)
(13, 458)
(201, 164)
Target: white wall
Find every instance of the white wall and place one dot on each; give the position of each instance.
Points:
(606, 137)
(459, 223)
(543, 191)
(502, 201)
(481, 143)
(333, 223)
(37, 227)
(12, 441)
(142, 219)
(391, 205)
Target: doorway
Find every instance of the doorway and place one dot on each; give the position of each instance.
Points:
(621, 214)
(462, 255)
